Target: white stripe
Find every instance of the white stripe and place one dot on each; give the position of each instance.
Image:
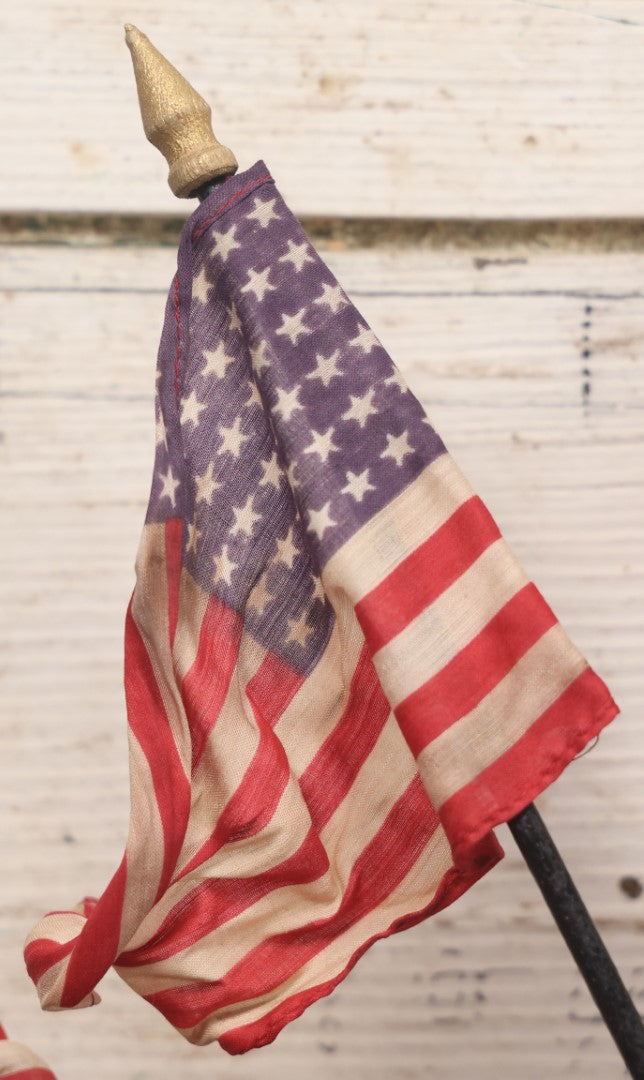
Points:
(229, 751)
(227, 754)
(145, 849)
(193, 602)
(319, 704)
(414, 893)
(450, 623)
(230, 748)
(384, 776)
(51, 984)
(150, 614)
(464, 750)
(59, 926)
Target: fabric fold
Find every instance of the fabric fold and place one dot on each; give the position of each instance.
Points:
(339, 678)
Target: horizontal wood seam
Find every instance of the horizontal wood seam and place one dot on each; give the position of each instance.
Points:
(107, 229)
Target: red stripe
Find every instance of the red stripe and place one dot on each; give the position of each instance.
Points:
(530, 765)
(30, 1074)
(42, 953)
(452, 885)
(324, 783)
(465, 680)
(329, 776)
(149, 722)
(97, 944)
(89, 903)
(430, 569)
(379, 868)
(3, 1034)
(206, 684)
(217, 900)
(173, 541)
(252, 805)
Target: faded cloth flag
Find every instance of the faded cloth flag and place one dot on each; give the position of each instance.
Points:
(338, 676)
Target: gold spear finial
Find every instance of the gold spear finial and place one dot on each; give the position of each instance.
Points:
(176, 119)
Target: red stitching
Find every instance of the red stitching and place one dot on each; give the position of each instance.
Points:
(178, 357)
(238, 194)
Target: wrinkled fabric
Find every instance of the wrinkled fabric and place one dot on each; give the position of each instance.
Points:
(338, 676)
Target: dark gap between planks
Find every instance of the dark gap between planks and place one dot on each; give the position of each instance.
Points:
(584, 235)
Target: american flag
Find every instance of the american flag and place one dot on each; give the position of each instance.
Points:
(338, 676)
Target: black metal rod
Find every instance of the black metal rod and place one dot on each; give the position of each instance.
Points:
(580, 934)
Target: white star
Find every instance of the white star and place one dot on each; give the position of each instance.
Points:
(245, 517)
(161, 436)
(260, 359)
(232, 438)
(258, 283)
(333, 296)
(264, 213)
(365, 340)
(357, 484)
(254, 398)
(286, 550)
(234, 322)
(206, 485)
(322, 444)
(299, 631)
(170, 485)
(397, 447)
(396, 379)
(327, 368)
(319, 520)
(217, 361)
(292, 325)
(224, 242)
(297, 254)
(287, 402)
(271, 474)
(260, 596)
(201, 286)
(193, 535)
(223, 566)
(191, 409)
(361, 408)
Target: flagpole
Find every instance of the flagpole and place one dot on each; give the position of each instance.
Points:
(581, 936)
(177, 120)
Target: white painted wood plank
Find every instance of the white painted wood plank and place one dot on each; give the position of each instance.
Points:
(486, 987)
(505, 108)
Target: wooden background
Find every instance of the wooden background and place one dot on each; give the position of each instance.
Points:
(473, 173)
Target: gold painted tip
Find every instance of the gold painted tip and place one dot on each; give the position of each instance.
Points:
(176, 119)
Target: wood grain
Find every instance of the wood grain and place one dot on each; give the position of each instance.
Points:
(506, 108)
(530, 364)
